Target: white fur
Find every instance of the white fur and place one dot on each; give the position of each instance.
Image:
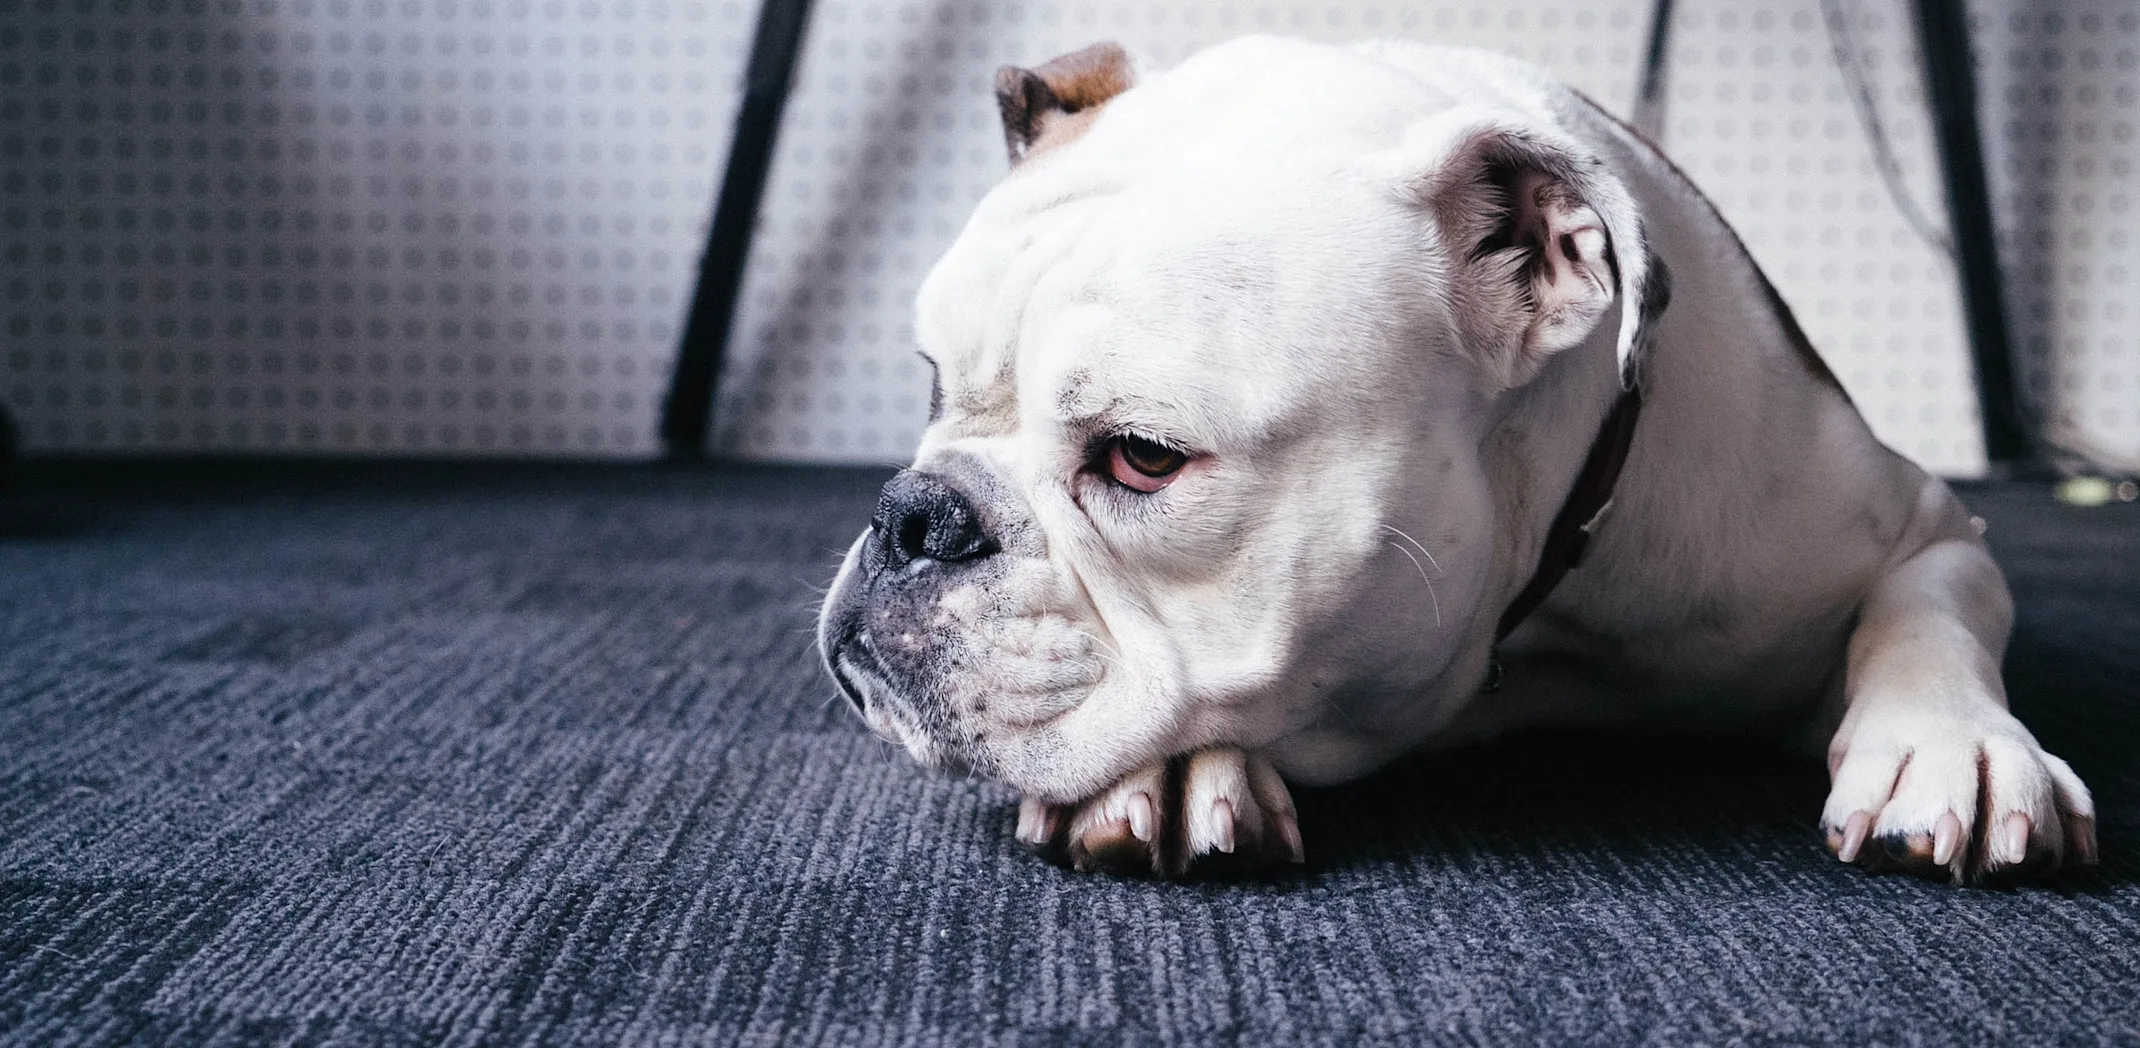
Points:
(1241, 257)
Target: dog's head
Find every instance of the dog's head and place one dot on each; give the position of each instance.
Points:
(1213, 368)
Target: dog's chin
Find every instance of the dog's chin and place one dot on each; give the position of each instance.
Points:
(936, 756)
(1000, 719)
(1031, 758)
(885, 706)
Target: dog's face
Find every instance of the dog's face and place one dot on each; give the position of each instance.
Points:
(1213, 369)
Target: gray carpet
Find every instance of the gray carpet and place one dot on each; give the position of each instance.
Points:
(540, 755)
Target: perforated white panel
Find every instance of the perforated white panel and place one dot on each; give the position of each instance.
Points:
(469, 226)
(428, 226)
(1761, 119)
(2061, 86)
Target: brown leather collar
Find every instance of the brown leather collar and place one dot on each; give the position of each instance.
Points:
(1570, 534)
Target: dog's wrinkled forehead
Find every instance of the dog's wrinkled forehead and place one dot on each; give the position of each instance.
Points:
(1126, 277)
(1131, 312)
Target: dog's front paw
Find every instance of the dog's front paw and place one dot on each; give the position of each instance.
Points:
(1213, 809)
(1966, 800)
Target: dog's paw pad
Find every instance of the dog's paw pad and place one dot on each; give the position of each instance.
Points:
(1111, 847)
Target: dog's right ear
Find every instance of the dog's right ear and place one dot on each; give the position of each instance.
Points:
(1540, 241)
(1052, 103)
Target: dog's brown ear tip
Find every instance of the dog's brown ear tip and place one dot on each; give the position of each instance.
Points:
(1090, 76)
(1062, 86)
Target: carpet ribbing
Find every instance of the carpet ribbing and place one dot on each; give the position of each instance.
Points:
(532, 755)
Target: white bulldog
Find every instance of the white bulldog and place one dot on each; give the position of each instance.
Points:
(1277, 395)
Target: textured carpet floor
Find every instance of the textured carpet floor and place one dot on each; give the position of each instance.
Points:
(540, 755)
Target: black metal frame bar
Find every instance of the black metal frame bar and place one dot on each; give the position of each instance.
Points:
(1951, 88)
(687, 414)
(1648, 114)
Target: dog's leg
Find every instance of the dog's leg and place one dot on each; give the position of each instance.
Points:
(1929, 771)
(1212, 809)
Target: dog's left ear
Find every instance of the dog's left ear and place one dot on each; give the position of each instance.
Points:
(1541, 240)
(1053, 101)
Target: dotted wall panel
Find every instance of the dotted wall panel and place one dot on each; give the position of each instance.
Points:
(420, 226)
(470, 226)
(2061, 86)
(1761, 118)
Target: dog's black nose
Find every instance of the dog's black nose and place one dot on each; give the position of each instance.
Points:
(920, 517)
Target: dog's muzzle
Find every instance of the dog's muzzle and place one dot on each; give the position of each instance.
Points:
(923, 536)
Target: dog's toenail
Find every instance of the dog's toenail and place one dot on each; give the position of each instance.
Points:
(1222, 826)
(1946, 838)
(2016, 844)
(1141, 816)
(1855, 831)
(1289, 831)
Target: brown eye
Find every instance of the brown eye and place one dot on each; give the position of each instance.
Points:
(1143, 465)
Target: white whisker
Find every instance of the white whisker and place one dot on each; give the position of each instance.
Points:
(1107, 651)
(1343, 715)
(1416, 544)
(1431, 595)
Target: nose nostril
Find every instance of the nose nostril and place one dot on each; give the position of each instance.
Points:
(913, 537)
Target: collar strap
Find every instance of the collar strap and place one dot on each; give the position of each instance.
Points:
(1579, 516)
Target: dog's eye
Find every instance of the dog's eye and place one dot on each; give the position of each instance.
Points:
(1143, 465)
(936, 386)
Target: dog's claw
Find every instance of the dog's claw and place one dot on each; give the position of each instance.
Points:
(1222, 826)
(1035, 822)
(2080, 833)
(2014, 843)
(1289, 832)
(1142, 815)
(1855, 830)
(1946, 839)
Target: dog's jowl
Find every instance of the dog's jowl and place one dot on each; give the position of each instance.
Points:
(1288, 396)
